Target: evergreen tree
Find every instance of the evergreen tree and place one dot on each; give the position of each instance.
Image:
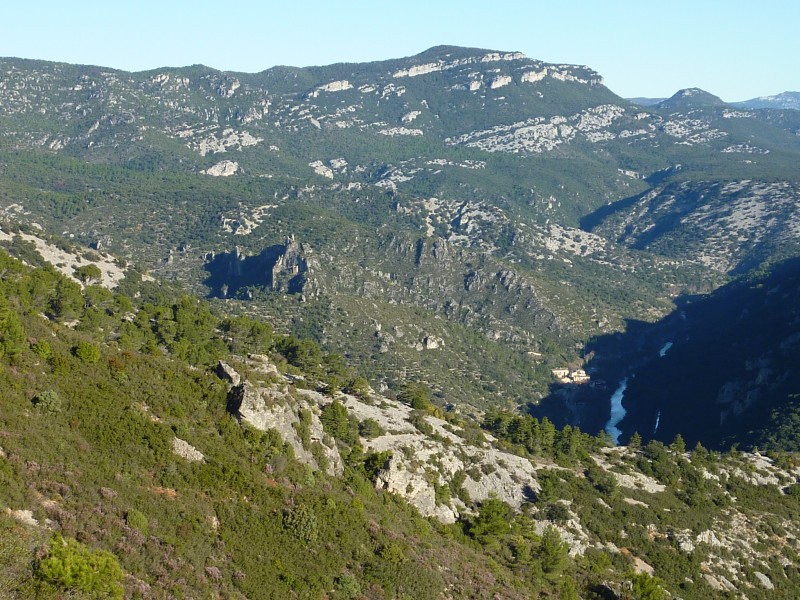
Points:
(88, 273)
(12, 333)
(553, 551)
(678, 444)
(547, 436)
(492, 520)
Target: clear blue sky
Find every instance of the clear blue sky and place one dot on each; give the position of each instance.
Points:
(732, 48)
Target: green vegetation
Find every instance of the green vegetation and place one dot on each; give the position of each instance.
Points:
(246, 519)
(71, 566)
(531, 437)
(450, 275)
(88, 273)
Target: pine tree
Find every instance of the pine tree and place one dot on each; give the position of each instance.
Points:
(678, 444)
(553, 551)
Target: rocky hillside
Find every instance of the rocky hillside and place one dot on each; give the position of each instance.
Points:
(151, 450)
(785, 100)
(698, 218)
(460, 217)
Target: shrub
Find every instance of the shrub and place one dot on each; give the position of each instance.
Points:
(137, 520)
(347, 587)
(88, 353)
(393, 553)
(303, 428)
(416, 395)
(370, 428)
(42, 349)
(421, 425)
(376, 461)
(357, 386)
(457, 486)
(48, 401)
(71, 566)
(558, 512)
(493, 519)
(302, 524)
(442, 494)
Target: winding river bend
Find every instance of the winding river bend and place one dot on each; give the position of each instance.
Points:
(618, 411)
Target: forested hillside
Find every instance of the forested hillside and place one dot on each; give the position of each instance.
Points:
(129, 467)
(282, 335)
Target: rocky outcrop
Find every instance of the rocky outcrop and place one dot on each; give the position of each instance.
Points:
(397, 478)
(320, 169)
(284, 268)
(292, 416)
(499, 81)
(224, 168)
(220, 141)
(333, 86)
(185, 450)
(228, 373)
(420, 461)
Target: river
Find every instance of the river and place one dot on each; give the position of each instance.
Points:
(618, 411)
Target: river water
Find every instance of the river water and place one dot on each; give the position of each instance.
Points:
(618, 411)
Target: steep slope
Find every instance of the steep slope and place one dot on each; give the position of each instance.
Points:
(133, 463)
(729, 373)
(433, 200)
(729, 226)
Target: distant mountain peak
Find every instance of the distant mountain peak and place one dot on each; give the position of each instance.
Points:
(784, 100)
(691, 98)
(452, 52)
(443, 58)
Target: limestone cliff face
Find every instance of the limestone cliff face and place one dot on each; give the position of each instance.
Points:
(290, 270)
(291, 415)
(426, 455)
(285, 268)
(419, 461)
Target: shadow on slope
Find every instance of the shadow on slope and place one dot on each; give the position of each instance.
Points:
(280, 267)
(729, 377)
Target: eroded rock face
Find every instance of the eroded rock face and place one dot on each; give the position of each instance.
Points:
(416, 456)
(185, 450)
(292, 416)
(412, 486)
(228, 373)
(427, 457)
(418, 463)
(224, 168)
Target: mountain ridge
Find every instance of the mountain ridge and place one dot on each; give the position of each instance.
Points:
(436, 198)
